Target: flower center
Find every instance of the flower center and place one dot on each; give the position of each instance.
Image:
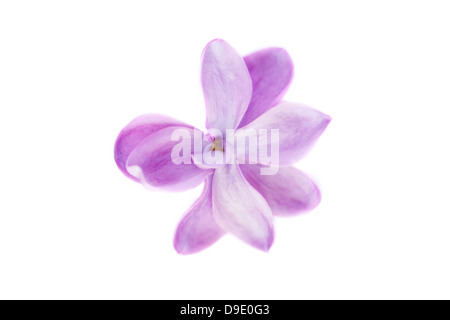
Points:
(217, 145)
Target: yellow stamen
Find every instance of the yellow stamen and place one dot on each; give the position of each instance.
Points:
(217, 145)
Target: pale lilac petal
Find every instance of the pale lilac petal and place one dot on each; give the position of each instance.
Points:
(288, 192)
(209, 159)
(298, 128)
(151, 163)
(239, 209)
(198, 229)
(227, 86)
(271, 71)
(135, 132)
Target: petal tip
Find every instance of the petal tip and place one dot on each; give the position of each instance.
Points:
(264, 244)
(120, 157)
(326, 121)
(213, 43)
(323, 120)
(180, 246)
(267, 246)
(216, 40)
(315, 199)
(284, 55)
(181, 250)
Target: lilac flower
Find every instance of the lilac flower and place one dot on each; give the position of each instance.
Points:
(240, 93)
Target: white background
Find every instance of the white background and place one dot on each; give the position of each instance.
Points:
(73, 73)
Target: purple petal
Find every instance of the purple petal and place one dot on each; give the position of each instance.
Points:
(239, 209)
(204, 160)
(299, 128)
(135, 132)
(198, 229)
(271, 71)
(227, 85)
(288, 192)
(151, 163)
